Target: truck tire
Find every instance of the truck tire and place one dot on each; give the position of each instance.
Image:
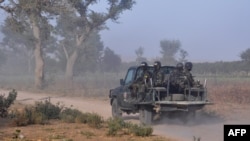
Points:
(116, 111)
(145, 116)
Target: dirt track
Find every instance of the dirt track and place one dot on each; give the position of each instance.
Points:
(208, 128)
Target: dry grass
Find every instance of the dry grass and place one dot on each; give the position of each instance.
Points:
(229, 97)
(60, 131)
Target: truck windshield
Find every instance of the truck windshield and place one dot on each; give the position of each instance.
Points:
(130, 76)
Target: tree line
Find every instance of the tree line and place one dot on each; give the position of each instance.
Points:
(63, 37)
(44, 26)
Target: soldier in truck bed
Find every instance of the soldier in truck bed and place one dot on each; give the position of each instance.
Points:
(142, 82)
(177, 79)
(158, 75)
(182, 78)
(187, 72)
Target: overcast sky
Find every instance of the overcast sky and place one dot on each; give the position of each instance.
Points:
(209, 30)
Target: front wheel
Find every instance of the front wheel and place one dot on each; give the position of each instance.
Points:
(145, 116)
(116, 111)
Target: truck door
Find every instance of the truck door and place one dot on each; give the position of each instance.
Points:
(125, 92)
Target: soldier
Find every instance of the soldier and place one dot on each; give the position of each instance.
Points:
(143, 82)
(145, 77)
(187, 72)
(178, 70)
(158, 76)
(177, 79)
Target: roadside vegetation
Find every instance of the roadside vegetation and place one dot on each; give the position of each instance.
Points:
(44, 113)
(6, 102)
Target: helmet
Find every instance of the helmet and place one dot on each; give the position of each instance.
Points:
(144, 64)
(179, 66)
(157, 65)
(188, 66)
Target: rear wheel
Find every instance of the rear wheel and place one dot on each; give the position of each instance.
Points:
(116, 111)
(145, 116)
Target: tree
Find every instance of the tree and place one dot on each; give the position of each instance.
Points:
(86, 21)
(183, 55)
(245, 55)
(88, 54)
(90, 58)
(139, 55)
(2, 57)
(32, 16)
(110, 61)
(169, 48)
(19, 44)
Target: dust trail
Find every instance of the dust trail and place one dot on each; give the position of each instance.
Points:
(207, 128)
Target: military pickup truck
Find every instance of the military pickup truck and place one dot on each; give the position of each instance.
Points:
(157, 100)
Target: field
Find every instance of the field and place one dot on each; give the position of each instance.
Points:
(229, 95)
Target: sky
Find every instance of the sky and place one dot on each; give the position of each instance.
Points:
(209, 30)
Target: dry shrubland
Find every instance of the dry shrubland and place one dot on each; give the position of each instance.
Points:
(229, 96)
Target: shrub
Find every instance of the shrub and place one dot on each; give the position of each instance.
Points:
(29, 116)
(115, 125)
(72, 115)
(94, 120)
(49, 110)
(5, 103)
(140, 130)
(41, 113)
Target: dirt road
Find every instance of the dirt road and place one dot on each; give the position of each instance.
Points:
(206, 127)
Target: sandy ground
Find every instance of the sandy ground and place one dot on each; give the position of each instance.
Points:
(208, 128)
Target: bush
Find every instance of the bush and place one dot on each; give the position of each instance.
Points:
(118, 125)
(72, 115)
(94, 120)
(29, 116)
(6, 102)
(115, 125)
(140, 130)
(41, 113)
(49, 110)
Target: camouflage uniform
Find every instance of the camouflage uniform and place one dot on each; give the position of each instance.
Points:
(158, 78)
(143, 82)
(187, 73)
(158, 75)
(189, 77)
(177, 79)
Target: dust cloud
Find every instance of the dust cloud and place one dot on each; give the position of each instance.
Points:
(204, 126)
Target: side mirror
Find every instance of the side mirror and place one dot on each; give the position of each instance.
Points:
(122, 82)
